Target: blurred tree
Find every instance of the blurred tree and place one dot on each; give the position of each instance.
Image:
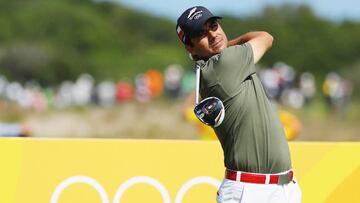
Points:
(52, 41)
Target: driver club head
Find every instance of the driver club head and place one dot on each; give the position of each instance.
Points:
(210, 111)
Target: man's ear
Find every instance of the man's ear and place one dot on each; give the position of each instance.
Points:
(189, 48)
(191, 51)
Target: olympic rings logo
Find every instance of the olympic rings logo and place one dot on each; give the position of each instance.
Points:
(129, 183)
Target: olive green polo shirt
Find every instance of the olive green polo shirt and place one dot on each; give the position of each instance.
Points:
(251, 134)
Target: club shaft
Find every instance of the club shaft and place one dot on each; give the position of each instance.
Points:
(197, 87)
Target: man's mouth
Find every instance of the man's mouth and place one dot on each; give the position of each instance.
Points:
(216, 44)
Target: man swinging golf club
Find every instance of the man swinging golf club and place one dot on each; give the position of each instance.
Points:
(256, 153)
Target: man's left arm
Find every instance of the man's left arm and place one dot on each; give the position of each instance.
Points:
(259, 40)
(236, 41)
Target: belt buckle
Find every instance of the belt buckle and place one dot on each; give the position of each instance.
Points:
(284, 179)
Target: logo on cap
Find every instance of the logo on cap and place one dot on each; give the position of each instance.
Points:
(180, 33)
(193, 14)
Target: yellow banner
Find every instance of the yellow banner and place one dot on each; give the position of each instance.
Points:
(164, 171)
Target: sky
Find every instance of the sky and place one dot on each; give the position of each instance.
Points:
(336, 10)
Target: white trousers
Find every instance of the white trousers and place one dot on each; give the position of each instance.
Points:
(239, 192)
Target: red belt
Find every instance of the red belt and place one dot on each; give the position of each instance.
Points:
(259, 178)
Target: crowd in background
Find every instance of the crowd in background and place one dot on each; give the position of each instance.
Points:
(285, 86)
(173, 83)
(282, 84)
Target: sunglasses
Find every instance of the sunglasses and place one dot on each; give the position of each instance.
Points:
(211, 25)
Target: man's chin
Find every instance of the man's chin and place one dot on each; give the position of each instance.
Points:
(219, 47)
(218, 50)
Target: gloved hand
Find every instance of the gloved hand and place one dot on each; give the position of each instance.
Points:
(210, 111)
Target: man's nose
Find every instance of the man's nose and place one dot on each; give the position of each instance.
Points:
(211, 34)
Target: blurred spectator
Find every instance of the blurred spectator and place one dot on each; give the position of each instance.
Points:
(155, 82)
(277, 80)
(331, 88)
(13, 130)
(307, 86)
(33, 97)
(14, 91)
(271, 82)
(337, 91)
(286, 74)
(292, 125)
(63, 97)
(82, 90)
(105, 93)
(142, 92)
(347, 86)
(293, 97)
(124, 91)
(173, 76)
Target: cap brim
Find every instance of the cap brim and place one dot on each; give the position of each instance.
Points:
(195, 32)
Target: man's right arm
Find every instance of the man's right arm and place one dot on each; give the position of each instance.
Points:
(260, 42)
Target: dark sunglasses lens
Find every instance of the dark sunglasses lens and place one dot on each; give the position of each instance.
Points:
(214, 26)
(211, 25)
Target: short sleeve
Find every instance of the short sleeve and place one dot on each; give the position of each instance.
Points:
(223, 74)
(233, 66)
(239, 59)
